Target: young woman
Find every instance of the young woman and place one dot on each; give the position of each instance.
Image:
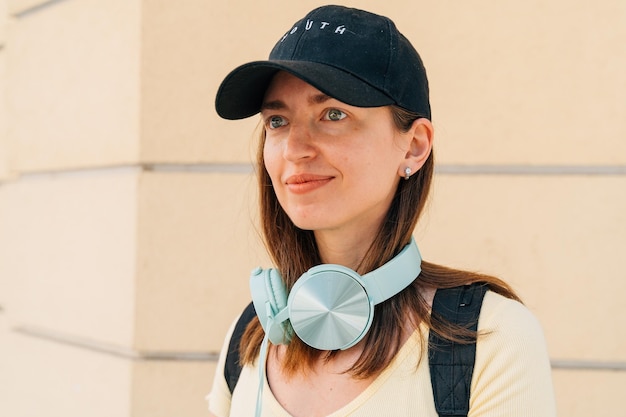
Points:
(345, 165)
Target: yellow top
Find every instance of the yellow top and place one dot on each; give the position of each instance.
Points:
(511, 375)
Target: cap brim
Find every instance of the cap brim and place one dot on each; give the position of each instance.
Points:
(241, 93)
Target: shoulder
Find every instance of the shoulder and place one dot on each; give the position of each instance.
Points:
(219, 397)
(509, 331)
(512, 368)
(509, 318)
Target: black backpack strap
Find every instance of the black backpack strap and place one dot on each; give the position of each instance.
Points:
(452, 364)
(232, 368)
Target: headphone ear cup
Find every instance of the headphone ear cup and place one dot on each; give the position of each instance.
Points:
(269, 296)
(279, 332)
(276, 290)
(329, 308)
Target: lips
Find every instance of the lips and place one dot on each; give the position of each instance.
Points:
(304, 183)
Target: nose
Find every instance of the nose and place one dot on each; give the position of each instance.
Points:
(299, 143)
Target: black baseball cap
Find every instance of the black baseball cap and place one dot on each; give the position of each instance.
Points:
(354, 56)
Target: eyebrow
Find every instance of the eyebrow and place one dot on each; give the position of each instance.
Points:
(279, 104)
(319, 98)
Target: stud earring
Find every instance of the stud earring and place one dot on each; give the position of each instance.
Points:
(407, 173)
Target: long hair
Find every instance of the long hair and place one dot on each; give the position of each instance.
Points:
(294, 251)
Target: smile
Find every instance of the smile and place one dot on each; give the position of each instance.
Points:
(301, 184)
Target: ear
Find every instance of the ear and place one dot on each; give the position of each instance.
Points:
(420, 144)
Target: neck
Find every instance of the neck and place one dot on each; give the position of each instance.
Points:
(343, 249)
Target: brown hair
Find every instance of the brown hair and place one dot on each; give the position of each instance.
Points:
(294, 251)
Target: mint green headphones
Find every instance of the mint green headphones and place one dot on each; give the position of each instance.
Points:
(330, 306)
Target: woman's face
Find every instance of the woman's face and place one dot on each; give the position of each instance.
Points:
(334, 167)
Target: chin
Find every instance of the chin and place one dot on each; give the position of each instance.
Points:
(310, 223)
(307, 225)
(313, 216)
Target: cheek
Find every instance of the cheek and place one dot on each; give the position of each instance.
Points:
(271, 161)
(385, 153)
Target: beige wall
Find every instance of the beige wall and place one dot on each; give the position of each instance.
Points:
(126, 204)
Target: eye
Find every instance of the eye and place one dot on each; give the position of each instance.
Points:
(334, 115)
(274, 122)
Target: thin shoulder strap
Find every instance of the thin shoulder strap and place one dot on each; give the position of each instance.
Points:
(232, 368)
(452, 364)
